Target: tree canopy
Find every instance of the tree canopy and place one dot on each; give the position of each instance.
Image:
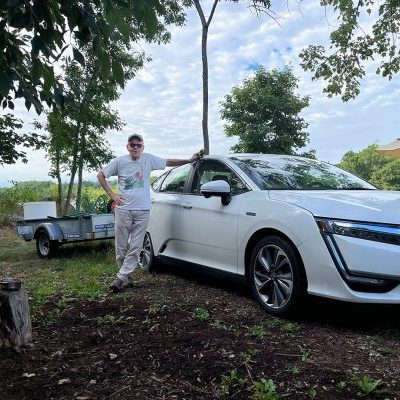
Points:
(264, 113)
(382, 171)
(38, 37)
(368, 31)
(35, 34)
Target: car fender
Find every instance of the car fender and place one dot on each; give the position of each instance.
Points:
(258, 214)
(52, 229)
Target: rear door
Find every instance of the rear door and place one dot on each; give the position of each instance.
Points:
(166, 208)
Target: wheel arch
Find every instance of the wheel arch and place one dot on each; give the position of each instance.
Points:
(257, 236)
(53, 230)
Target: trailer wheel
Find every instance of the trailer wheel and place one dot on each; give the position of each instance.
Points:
(45, 247)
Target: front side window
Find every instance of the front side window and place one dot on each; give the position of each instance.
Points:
(211, 170)
(175, 180)
(295, 173)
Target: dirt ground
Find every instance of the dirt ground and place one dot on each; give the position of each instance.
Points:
(180, 335)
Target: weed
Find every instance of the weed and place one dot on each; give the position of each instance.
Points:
(231, 381)
(157, 308)
(273, 322)
(265, 390)
(221, 325)
(201, 314)
(247, 355)
(305, 354)
(367, 385)
(294, 370)
(257, 331)
(341, 385)
(109, 319)
(290, 327)
(386, 351)
(312, 393)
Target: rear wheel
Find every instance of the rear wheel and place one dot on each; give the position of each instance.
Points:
(277, 276)
(45, 247)
(147, 259)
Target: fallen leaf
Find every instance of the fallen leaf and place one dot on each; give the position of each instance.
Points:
(64, 381)
(27, 375)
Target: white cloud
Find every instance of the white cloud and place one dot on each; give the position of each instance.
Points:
(164, 101)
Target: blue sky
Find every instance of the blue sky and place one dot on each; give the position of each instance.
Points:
(164, 102)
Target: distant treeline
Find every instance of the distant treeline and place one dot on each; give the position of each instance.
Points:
(13, 198)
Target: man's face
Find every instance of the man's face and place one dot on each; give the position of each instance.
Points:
(135, 148)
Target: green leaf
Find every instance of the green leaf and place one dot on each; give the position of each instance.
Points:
(105, 64)
(151, 22)
(78, 56)
(116, 20)
(118, 73)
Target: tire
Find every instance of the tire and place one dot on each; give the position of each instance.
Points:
(147, 259)
(277, 276)
(45, 247)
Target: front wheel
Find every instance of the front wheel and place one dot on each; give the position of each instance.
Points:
(277, 276)
(45, 247)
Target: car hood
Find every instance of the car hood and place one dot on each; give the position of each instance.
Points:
(357, 205)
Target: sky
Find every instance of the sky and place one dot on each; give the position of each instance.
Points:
(164, 101)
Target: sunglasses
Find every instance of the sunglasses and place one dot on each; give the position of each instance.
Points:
(136, 145)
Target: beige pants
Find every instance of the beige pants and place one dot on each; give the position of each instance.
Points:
(130, 229)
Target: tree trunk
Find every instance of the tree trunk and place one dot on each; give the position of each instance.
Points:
(73, 168)
(59, 181)
(205, 90)
(80, 169)
(205, 24)
(15, 320)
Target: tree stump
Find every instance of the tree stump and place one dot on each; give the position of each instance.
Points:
(15, 320)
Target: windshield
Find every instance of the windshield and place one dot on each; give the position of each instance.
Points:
(296, 173)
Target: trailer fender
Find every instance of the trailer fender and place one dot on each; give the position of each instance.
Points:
(52, 229)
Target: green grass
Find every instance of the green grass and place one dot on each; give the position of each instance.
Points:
(84, 271)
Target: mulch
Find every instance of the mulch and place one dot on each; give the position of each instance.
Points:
(179, 335)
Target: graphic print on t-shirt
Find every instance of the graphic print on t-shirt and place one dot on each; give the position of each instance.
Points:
(136, 179)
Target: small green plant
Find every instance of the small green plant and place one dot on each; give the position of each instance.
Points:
(341, 385)
(265, 390)
(385, 351)
(273, 322)
(312, 393)
(201, 314)
(109, 319)
(289, 328)
(367, 385)
(230, 381)
(305, 354)
(294, 370)
(157, 308)
(247, 355)
(257, 331)
(221, 325)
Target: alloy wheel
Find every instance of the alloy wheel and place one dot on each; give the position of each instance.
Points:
(273, 276)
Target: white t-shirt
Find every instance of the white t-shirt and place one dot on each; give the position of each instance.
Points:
(134, 179)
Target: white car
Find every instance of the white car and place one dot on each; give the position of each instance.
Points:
(288, 225)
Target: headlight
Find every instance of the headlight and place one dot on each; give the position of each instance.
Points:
(361, 230)
(383, 233)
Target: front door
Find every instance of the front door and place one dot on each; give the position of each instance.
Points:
(208, 229)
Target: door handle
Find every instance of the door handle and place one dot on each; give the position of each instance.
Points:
(187, 205)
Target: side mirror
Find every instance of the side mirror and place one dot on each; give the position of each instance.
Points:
(218, 188)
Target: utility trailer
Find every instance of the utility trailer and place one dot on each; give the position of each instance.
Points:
(40, 223)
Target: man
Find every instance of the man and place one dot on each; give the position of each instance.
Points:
(132, 203)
